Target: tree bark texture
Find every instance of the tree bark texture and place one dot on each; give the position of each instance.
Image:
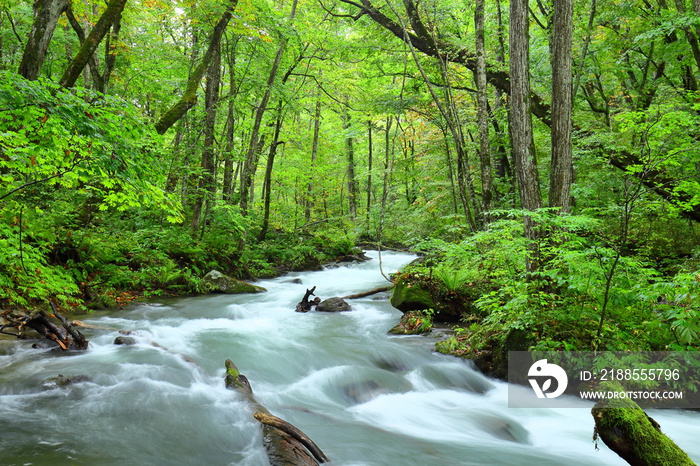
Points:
(520, 116)
(521, 123)
(561, 167)
(92, 41)
(189, 97)
(46, 14)
(482, 109)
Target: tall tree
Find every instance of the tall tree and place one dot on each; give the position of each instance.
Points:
(482, 109)
(521, 119)
(91, 42)
(350, 152)
(206, 185)
(46, 14)
(561, 171)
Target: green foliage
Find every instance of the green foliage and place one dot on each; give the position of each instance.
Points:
(559, 307)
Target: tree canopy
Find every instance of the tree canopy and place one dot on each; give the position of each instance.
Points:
(144, 142)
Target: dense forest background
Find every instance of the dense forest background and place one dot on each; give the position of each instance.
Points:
(543, 155)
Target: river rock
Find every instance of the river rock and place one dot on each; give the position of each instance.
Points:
(126, 341)
(333, 305)
(217, 282)
(61, 381)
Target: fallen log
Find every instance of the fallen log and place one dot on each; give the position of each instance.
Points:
(627, 430)
(281, 439)
(64, 335)
(284, 426)
(368, 293)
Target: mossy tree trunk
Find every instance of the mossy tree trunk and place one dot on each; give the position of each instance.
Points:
(189, 97)
(627, 430)
(91, 42)
(46, 14)
(285, 444)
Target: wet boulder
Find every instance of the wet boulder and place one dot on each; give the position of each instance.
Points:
(333, 305)
(217, 282)
(126, 341)
(62, 381)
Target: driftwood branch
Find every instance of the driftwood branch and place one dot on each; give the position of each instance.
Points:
(368, 293)
(305, 305)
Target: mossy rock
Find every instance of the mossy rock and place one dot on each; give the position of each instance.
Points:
(217, 282)
(411, 295)
(413, 323)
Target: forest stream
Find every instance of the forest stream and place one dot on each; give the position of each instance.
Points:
(364, 397)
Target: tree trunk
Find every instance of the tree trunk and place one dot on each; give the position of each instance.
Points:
(561, 172)
(92, 67)
(350, 151)
(46, 14)
(369, 172)
(189, 97)
(88, 47)
(521, 123)
(482, 111)
(206, 185)
(267, 185)
(253, 146)
(628, 431)
(227, 188)
(314, 154)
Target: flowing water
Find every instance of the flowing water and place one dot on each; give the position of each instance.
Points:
(364, 397)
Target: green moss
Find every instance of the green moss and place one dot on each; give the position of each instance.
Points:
(232, 375)
(411, 296)
(633, 435)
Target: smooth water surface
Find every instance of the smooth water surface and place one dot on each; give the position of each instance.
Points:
(364, 397)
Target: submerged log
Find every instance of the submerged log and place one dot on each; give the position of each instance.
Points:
(627, 430)
(285, 444)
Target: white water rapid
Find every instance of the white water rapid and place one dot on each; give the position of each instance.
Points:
(364, 397)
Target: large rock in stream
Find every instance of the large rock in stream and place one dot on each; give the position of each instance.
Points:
(410, 295)
(333, 305)
(217, 282)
